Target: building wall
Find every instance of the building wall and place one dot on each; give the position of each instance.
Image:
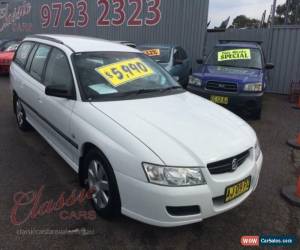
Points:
(181, 22)
(281, 47)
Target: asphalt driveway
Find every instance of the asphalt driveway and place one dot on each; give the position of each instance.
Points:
(28, 164)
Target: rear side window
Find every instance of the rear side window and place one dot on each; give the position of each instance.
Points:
(30, 57)
(58, 71)
(23, 52)
(180, 54)
(38, 62)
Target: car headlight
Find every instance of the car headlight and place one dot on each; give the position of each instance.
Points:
(257, 150)
(174, 176)
(195, 81)
(254, 87)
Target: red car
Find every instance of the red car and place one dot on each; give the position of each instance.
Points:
(6, 57)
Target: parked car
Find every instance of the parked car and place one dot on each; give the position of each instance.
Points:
(127, 43)
(173, 58)
(6, 43)
(234, 75)
(139, 142)
(7, 56)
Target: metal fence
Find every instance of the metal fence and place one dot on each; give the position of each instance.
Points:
(281, 47)
(181, 22)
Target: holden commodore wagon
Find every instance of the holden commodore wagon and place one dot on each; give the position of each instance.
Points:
(144, 146)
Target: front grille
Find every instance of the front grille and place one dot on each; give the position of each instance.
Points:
(222, 86)
(225, 166)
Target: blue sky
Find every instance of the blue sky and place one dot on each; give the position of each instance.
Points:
(219, 10)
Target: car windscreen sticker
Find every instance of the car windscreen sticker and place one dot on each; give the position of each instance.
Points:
(234, 54)
(103, 89)
(152, 52)
(125, 71)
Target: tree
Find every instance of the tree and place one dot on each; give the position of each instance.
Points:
(288, 13)
(243, 21)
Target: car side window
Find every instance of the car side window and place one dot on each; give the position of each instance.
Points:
(176, 54)
(180, 54)
(183, 54)
(38, 62)
(58, 72)
(23, 52)
(29, 61)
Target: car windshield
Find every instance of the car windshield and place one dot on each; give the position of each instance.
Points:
(236, 57)
(120, 74)
(6, 45)
(13, 47)
(160, 55)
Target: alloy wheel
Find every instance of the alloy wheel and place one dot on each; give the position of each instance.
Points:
(19, 113)
(98, 183)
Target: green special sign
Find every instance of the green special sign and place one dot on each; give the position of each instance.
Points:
(234, 54)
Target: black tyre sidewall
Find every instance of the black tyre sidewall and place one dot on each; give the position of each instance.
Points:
(25, 126)
(113, 208)
(257, 114)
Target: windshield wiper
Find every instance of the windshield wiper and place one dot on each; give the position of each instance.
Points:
(171, 88)
(146, 91)
(142, 91)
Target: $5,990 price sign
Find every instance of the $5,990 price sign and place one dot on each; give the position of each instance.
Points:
(125, 71)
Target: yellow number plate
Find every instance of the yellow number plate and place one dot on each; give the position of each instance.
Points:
(220, 99)
(152, 52)
(125, 71)
(237, 190)
(234, 54)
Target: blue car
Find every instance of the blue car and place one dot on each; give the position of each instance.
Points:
(234, 75)
(173, 58)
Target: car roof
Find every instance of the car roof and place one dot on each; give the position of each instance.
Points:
(157, 45)
(239, 45)
(83, 43)
(253, 45)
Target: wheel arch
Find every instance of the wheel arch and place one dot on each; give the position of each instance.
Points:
(87, 147)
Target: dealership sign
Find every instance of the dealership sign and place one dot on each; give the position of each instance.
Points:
(9, 17)
(109, 13)
(78, 14)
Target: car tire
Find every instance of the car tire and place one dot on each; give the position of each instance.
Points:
(98, 176)
(20, 115)
(185, 83)
(256, 115)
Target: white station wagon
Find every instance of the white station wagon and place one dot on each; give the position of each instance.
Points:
(146, 147)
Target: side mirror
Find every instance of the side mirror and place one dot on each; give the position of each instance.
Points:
(59, 91)
(200, 61)
(269, 66)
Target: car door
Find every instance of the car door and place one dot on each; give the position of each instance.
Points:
(31, 87)
(56, 111)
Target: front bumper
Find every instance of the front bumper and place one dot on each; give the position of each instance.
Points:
(237, 101)
(148, 203)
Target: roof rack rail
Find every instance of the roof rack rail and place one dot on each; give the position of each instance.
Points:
(46, 38)
(51, 39)
(223, 41)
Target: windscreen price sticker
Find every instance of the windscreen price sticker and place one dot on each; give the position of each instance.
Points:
(152, 52)
(125, 71)
(235, 54)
